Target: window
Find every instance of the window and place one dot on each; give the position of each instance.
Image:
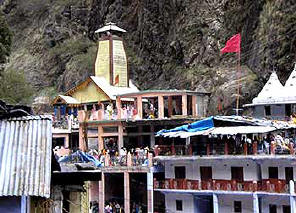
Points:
(288, 109)
(58, 142)
(179, 205)
(237, 173)
(237, 206)
(205, 173)
(286, 209)
(273, 172)
(289, 174)
(272, 208)
(180, 172)
(267, 111)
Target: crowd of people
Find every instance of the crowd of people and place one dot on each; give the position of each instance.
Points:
(113, 207)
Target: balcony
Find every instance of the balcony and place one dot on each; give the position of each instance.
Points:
(65, 123)
(268, 185)
(221, 149)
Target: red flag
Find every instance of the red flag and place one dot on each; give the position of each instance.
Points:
(116, 80)
(232, 45)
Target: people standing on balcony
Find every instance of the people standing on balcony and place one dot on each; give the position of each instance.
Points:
(110, 110)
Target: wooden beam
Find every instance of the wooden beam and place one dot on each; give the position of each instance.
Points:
(118, 107)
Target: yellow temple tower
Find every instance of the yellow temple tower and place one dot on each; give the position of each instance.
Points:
(111, 61)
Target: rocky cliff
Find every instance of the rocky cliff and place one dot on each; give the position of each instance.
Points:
(170, 43)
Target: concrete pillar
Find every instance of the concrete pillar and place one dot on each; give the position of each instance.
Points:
(226, 148)
(184, 104)
(194, 105)
(139, 107)
(292, 196)
(150, 192)
(170, 106)
(120, 136)
(102, 194)
(272, 148)
(160, 107)
(152, 136)
(118, 107)
(292, 150)
(255, 148)
(215, 203)
(208, 149)
(245, 149)
(100, 138)
(255, 203)
(81, 138)
(126, 192)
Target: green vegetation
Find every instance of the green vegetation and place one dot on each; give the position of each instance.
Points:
(5, 39)
(14, 88)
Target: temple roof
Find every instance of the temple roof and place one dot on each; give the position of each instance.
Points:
(110, 27)
(271, 91)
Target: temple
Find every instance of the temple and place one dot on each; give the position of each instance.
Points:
(159, 150)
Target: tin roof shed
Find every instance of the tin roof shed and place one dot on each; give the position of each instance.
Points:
(25, 156)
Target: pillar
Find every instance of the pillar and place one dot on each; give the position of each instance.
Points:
(272, 148)
(215, 203)
(118, 107)
(245, 148)
(126, 192)
(208, 149)
(194, 105)
(255, 148)
(292, 150)
(184, 104)
(102, 194)
(120, 136)
(100, 138)
(226, 148)
(150, 192)
(170, 106)
(160, 107)
(292, 196)
(139, 107)
(81, 138)
(152, 136)
(255, 203)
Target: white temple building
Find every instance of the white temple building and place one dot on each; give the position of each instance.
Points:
(276, 101)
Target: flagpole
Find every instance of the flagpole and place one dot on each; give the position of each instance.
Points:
(238, 82)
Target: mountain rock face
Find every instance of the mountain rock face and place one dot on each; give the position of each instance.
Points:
(170, 43)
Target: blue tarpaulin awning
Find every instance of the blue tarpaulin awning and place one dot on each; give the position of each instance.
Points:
(201, 125)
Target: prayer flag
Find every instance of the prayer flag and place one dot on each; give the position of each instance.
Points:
(116, 80)
(232, 45)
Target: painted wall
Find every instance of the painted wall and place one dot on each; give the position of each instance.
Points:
(281, 168)
(221, 169)
(119, 64)
(90, 93)
(187, 199)
(10, 204)
(275, 200)
(226, 203)
(277, 111)
(102, 64)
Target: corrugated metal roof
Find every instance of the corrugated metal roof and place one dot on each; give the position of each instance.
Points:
(25, 156)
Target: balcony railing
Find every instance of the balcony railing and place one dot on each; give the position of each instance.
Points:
(188, 150)
(66, 123)
(269, 185)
